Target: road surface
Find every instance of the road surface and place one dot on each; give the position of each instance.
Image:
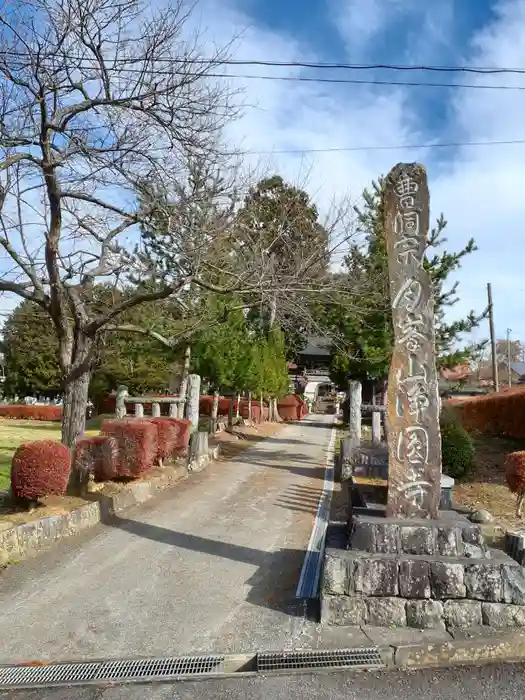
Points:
(488, 683)
(210, 566)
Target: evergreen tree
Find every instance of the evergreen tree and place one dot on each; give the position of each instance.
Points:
(365, 335)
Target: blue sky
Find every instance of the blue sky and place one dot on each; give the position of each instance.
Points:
(479, 189)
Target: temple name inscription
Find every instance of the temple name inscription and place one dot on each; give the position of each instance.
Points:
(414, 471)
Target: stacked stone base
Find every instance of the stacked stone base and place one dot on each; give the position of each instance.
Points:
(423, 574)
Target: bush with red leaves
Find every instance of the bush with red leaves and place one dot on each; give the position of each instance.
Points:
(494, 414)
(40, 469)
(137, 445)
(97, 455)
(292, 407)
(168, 435)
(515, 473)
(23, 412)
(183, 440)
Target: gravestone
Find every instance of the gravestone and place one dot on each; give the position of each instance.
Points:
(414, 460)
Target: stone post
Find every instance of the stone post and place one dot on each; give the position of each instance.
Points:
(155, 410)
(192, 407)
(120, 402)
(414, 441)
(174, 410)
(376, 427)
(139, 410)
(354, 404)
(214, 412)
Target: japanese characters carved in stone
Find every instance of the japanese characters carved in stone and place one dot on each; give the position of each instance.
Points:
(413, 398)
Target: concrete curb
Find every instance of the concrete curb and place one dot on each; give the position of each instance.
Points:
(25, 540)
(502, 647)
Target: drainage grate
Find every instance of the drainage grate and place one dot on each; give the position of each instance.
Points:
(136, 670)
(366, 657)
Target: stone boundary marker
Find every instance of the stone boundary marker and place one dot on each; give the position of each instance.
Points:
(27, 539)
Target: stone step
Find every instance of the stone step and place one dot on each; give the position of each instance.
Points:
(451, 535)
(498, 579)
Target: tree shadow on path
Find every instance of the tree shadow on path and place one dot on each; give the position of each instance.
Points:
(274, 583)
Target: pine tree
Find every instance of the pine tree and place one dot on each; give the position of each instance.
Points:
(365, 336)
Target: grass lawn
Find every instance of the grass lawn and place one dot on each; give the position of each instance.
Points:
(14, 432)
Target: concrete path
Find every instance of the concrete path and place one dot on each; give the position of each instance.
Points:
(210, 566)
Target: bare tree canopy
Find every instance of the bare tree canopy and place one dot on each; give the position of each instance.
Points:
(113, 170)
(95, 97)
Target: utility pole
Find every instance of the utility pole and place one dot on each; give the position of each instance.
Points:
(492, 339)
(509, 331)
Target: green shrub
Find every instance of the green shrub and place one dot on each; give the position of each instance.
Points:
(457, 448)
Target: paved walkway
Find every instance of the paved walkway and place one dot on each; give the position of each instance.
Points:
(210, 566)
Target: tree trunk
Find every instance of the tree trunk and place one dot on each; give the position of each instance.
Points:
(74, 408)
(184, 378)
(250, 406)
(238, 408)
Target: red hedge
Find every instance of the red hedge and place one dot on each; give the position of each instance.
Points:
(292, 407)
(137, 442)
(23, 412)
(168, 435)
(515, 471)
(98, 455)
(495, 414)
(40, 469)
(183, 440)
(205, 406)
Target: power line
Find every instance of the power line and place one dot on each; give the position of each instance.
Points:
(308, 79)
(357, 81)
(400, 147)
(293, 64)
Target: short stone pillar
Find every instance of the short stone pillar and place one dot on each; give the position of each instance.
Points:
(214, 412)
(192, 408)
(355, 392)
(155, 410)
(139, 410)
(120, 402)
(174, 410)
(376, 427)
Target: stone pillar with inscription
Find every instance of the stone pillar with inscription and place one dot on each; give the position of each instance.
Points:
(403, 562)
(414, 460)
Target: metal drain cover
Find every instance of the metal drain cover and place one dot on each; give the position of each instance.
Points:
(137, 670)
(365, 657)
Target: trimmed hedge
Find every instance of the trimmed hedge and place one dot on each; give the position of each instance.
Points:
(501, 414)
(26, 412)
(183, 439)
(292, 407)
(137, 445)
(515, 471)
(205, 406)
(97, 455)
(40, 469)
(168, 435)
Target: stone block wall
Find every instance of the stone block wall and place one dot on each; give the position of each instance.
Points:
(421, 591)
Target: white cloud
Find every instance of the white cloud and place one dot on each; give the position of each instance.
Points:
(480, 190)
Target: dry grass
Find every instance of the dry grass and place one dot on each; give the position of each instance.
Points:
(487, 487)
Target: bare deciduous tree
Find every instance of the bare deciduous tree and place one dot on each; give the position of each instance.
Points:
(95, 96)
